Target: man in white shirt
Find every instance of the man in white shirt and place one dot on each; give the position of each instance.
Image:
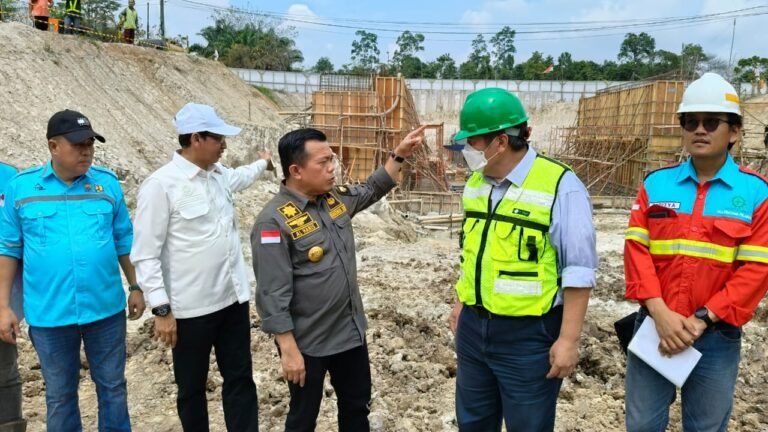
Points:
(189, 260)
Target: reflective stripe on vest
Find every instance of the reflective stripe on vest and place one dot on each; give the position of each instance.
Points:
(508, 264)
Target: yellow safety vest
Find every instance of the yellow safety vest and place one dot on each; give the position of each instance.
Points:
(507, 259)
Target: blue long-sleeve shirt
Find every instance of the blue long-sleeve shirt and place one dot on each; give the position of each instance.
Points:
(69, 237)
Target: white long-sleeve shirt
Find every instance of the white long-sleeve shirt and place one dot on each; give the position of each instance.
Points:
(186, 247)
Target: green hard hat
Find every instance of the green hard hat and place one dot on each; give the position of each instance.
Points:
(489, 110)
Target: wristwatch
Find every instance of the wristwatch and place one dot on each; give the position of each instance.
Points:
(398, 159)
(702, 313)
(162, 310)
(135, 287)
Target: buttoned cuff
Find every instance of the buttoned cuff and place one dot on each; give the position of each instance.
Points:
(279, 323)
(158, 297)
(578, 277)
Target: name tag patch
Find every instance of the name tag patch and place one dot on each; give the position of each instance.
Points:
(674, 205)
(302, 225)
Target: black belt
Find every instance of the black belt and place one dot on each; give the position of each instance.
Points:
(486, 314)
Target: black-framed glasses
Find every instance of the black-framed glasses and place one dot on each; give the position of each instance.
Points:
(711, 124)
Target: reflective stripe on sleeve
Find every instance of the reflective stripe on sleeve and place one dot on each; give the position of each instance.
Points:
(638, 234)
(752, 253)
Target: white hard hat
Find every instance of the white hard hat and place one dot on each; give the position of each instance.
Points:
(710, 93)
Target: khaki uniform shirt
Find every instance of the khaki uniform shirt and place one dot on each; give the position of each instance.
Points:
(304, 261)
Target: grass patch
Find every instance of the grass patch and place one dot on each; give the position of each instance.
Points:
(269, 93)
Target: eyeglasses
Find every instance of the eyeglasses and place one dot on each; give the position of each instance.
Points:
(711, 124)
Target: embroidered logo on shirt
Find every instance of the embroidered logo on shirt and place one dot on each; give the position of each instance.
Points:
(38, 186)
(270, 237)
(336, 208)
(302, 225)
(674, 205)
(288, 210)
(99, 188)
(87, 187)
(2, 200)
(738, 201)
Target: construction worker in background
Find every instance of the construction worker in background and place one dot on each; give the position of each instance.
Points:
(528, 262)
(10, 381)
(696, 257)
(73, 13)
(307, 293)
(69, 222)
(39, 11)
(129, 22)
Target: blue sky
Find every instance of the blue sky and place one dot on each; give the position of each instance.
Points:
(489, 16)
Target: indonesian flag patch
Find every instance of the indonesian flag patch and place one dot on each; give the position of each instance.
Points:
(268, 237)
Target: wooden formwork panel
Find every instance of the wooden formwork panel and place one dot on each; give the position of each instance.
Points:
(635, 110)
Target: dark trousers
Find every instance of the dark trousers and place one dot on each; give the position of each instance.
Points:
(228, 331)
(41, 22)
(351, 380)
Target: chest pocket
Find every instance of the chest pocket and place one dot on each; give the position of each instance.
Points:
(98, 219)
(517, 243)
(313, 254)
(196, 221)
(37, 223)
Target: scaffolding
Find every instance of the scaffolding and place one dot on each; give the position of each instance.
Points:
(366, 117)
(621, 134)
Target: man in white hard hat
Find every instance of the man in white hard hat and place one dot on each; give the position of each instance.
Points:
(696, 258)
(189, 259)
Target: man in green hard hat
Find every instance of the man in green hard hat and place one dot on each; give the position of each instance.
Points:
(528, 262)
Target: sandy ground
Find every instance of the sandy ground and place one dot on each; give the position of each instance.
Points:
(407, 286)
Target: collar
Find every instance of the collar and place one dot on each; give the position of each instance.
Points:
(49, 172)
(300, 200)
(189, 169)
(520, 172)
(726, 174)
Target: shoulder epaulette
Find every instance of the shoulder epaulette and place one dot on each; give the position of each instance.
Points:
(344, 190)
(661, 169)
(555, 161)
(105, 171)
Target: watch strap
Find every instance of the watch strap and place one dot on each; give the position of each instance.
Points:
(398, 159)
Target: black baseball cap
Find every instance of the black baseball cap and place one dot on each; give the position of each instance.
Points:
(73, 126)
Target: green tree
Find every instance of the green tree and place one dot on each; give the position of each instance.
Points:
(255, 41)
(533, 68)
(408, 45)
(565, 66)
(444, 67)
(478, 65)
(665, 61)
(323, 65)
(504, 50)
(365, 52)
(748, 69)
(100, 15)
(692, 58)
(637, 48)
(8, 8)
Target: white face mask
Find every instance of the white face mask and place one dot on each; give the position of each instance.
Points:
(476, 160)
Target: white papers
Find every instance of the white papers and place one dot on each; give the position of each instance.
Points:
(645, 344)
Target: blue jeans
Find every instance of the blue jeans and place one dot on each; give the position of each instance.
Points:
(707, 395)
(502, 368)
(59, 351)
(71, 24)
